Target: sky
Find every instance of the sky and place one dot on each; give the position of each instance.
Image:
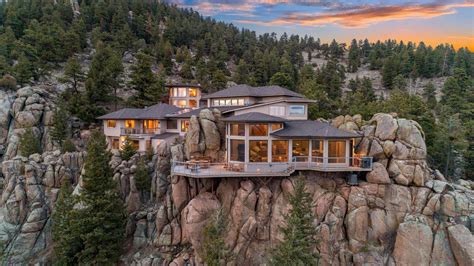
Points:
(431, 21)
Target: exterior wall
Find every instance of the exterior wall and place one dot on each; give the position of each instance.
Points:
(266, 110)
(113, 131)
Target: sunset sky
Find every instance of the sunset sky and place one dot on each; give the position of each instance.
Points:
(431, 21)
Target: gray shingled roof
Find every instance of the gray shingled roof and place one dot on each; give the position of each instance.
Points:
(196, 112)
(244, 90)
(312, 129)
(157, 111)
(254, 117)
(165, 135)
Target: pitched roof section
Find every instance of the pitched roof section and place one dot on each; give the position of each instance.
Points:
(312, 129)
(157, 111)
(254, 117)
(196, 112)
(249, 91)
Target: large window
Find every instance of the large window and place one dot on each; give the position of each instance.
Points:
(300, 150)
(184, 125)
(182, 92)
(129, 123)
(277, 110)
(111, 123)
(151, 124)
(277, 126)
(193, 104)
(258, 151)
(228, 102)
(296, 110)
(237, 150)
(172, 124)
(237, 129)
(317, 151)
(193, 92)
(258, 130)
(280, 151)
(180, 103)
(337, 151)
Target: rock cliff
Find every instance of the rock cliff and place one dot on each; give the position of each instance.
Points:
(401, 213)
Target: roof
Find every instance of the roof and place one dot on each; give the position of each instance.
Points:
(125, 113)
(312, 129)
(165, 135)
(244, 90)
(183, 85)
(196, 112)
(157, 111)
(254, 117)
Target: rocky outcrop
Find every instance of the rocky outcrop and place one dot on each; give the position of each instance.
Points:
(205, 135)
(395, 143)
(28, 198)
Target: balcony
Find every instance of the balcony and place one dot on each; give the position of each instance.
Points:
(139, 131)
(283, 169)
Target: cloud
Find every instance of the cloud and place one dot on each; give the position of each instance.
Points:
(362, 16)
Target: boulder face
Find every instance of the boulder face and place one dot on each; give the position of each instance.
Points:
(398, 144)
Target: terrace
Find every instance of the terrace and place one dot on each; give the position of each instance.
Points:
(204, 169)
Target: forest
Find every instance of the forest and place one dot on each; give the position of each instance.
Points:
(38, 37)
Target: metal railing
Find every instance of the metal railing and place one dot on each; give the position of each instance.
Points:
(138, 131)
(332, 162)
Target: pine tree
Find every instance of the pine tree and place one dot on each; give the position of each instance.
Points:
(73, 74)
(282, 79)
(354, 57)
(215, 251)
(143, 80)
(142, 176)
(67, 241)
(59, 130)
(128, 150)
(429, 93)
(102, 219)
(399, 83)
(219, 81)
(299, 234)
(29, 143)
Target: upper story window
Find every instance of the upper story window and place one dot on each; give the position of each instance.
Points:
(151, 124)
(182, 92)
(258, 130)
(193, 104)
(193, 92)
(296, 110)
(172, 124)
(111, 123)
(237, 129)
(180, 103)
(184, 125)
(277, 110)
(129, 123)
(228, 102)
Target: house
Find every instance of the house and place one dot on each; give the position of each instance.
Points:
(267, 132)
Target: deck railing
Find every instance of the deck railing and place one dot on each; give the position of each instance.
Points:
(137, 131)
(206, 169)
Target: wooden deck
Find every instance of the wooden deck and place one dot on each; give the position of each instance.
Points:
(257, 169)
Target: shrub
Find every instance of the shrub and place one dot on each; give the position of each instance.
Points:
(8, 82)
(68, 146)
(29, 143)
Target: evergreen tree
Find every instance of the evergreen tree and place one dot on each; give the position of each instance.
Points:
(429, 93)
(354, 57)
(219, 81)
(323, 108)
(143, 80)
(29, 143)
(214, 248)
(67, 241)
(282, 79)
(299, 233)
(59, 131)
(399, 83)
(241, 75)
(102, 219)
(142, 176)
(68, 146)
(73, 74)
(128, 150)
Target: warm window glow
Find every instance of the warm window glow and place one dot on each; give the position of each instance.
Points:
(237, 150)
(115, 144)
(277, 126)
(240, 102)
(129, 123)
(280, 151)
(111, 123)
(258, 130)
(300, 150)
(182, 92)
(181, 103)
(216, 102)
(237, 129)
(172, 124)
(337, 151)
(258, 151)
(184, 125)
(193, 92)
(193, 104)
(151, 124)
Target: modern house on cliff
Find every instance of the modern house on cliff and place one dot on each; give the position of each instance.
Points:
(267, 132)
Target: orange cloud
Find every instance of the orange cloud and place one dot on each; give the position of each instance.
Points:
(365, 15)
